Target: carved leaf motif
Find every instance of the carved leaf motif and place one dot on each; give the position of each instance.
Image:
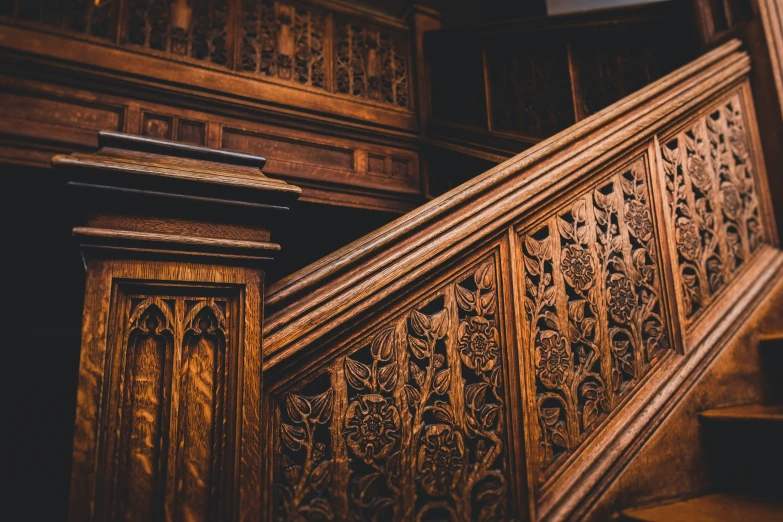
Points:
(442, 381)
(576, 310)
(484, 276)
(387, 377)
(443, 412)
(421, 323)
(475, 394)
(488, 302)
(440, 324)
(322, 407)
(416, 374)
(549, 296)
(382, 347)
(531, 266)
(419, 348)
(465, 298)
(293, 436)
(320, 473)
(533, 246)
(550, 415)
(298, 408)
(357, 374)
(412, 394)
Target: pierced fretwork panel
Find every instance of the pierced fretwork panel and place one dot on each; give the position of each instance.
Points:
(284, 41)
(370, 64)
(411, 424)
(712, 202)
(172, 417)
(200, 30)
(595, 323)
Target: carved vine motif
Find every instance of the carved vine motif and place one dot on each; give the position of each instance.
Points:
(712, 202)
(149, 25)
(172, 344)
(284, 41)
(371, 64)
(411, 426)
(592, 299)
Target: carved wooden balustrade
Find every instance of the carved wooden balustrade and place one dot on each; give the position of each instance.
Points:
(497, 354)
(500, 352)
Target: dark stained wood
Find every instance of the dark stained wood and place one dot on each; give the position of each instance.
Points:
(365, 331)
(168, 422)
(711, 508)
(325, 90)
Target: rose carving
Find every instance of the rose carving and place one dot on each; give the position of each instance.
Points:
(441, 459)
(730, 200)
(700, 175)
(688, 239)
(372, 426)
(622, 299)
(577, 266)
(553, 360)
(638, 220)
(478, 344)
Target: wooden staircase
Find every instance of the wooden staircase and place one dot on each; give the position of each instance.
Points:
(745, 457)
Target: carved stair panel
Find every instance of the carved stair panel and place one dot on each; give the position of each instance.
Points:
(594, 318)
(711, 185)
(410, 424)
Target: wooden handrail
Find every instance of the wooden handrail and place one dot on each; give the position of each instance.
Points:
(543, 314)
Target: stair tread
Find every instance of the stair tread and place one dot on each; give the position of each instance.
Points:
(712, 508)
(762, 412)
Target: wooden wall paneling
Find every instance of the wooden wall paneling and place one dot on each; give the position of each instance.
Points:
(771, 14)
(609, 346)
(168, 420)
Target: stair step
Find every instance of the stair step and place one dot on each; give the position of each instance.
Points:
(747, 412)
(712, 508)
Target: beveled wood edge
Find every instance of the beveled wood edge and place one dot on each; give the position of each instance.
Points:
(578, 492)
(154, 237)
(482, 204)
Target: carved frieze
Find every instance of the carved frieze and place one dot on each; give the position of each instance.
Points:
(712, 202)
(411, 424)
(594, 317)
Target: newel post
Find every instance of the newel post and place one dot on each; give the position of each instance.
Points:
(174, 239)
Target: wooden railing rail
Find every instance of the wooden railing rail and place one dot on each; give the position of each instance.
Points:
(528, 326)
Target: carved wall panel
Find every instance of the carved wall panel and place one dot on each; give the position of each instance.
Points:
(284, 41)
(371, 64)
(150, 24)
(173, 391)
(411, 424)
(594, 314)
(712, 201)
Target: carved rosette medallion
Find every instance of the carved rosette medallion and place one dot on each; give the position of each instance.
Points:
(594, 317)
(410, 425)
(711, 192)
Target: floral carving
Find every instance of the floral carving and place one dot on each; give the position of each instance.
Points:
(478, 344)
(372, 427)
(596, 324)
(638, 219)
(441, 459)
(415, 422)
(713, 207)
(553, 361)
(578, 267)
(622, 299)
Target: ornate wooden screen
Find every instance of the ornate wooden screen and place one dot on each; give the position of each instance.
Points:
(499, 352)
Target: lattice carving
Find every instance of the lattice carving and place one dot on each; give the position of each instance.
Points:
(711, 190)
(593, 309)
(371, 64)
(173, 421)
(149, 25)
(284, 41)
(409, 426)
